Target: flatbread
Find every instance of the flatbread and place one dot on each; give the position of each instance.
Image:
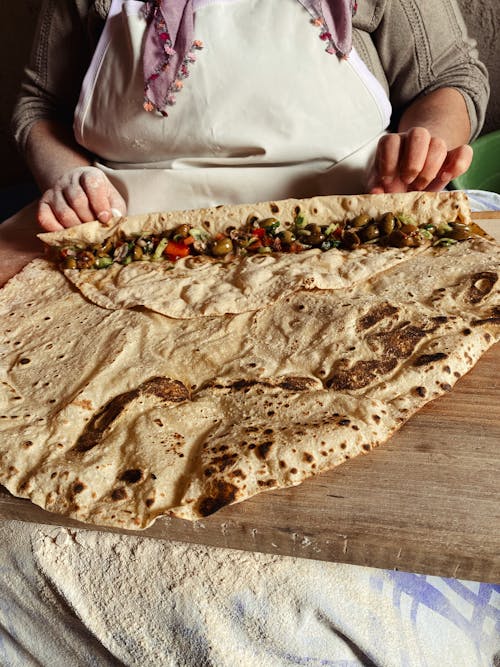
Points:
(197, 286)
(116, 417)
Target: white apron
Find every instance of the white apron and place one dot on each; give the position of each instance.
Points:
(265, 114)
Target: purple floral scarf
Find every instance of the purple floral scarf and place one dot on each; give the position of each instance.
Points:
(169, 45)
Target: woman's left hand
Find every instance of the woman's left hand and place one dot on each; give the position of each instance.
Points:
(416, 160)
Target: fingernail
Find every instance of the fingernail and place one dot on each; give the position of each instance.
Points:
(387, 180)
(104, 216)
(445, 177)
(116, 213)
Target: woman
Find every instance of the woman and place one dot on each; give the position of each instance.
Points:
(277, 104)
(265, 113)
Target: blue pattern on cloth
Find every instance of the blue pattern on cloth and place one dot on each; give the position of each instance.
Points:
(472, 607)
(482, 200)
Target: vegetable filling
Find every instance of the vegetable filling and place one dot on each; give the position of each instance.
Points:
(261, 236)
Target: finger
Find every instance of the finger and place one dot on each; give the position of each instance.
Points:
(46, 218)
(78, 201)
(457, 162)
(436, 156)
(415, 148)
(396, 185)
(118, 207)
(63, 212)
(387, 160)
(95, 185)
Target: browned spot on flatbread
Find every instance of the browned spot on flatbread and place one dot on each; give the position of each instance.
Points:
(222, 494)
(164, 388)
(224, 461)
(290, 383)
(78, 487)
(274, 208)
(263, 449)
(402, 340)
(376, 314)
(239, 385)
(394, 344)
(269, 483)
(486, 320)
(425, 359)
(481, 285)
(297, 383)
(360, 375)
(118, 494)
(131, 476)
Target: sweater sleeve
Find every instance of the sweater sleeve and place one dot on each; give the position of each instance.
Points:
(61, 52)
(423, 45)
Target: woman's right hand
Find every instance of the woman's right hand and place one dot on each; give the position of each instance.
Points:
(81, 195)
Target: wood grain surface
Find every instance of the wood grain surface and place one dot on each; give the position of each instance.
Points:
(426, 501)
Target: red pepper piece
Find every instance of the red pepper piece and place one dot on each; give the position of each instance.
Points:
(175, 250)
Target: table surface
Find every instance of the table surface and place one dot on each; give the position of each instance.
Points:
(426, 501)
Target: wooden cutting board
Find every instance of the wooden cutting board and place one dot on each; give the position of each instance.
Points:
(426, 501)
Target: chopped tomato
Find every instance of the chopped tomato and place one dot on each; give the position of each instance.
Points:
(189, 240)
(176, 250)
(260, 232)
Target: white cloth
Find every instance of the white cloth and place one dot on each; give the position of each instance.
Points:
(82, 598)
(265, 114)
(481, 200)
